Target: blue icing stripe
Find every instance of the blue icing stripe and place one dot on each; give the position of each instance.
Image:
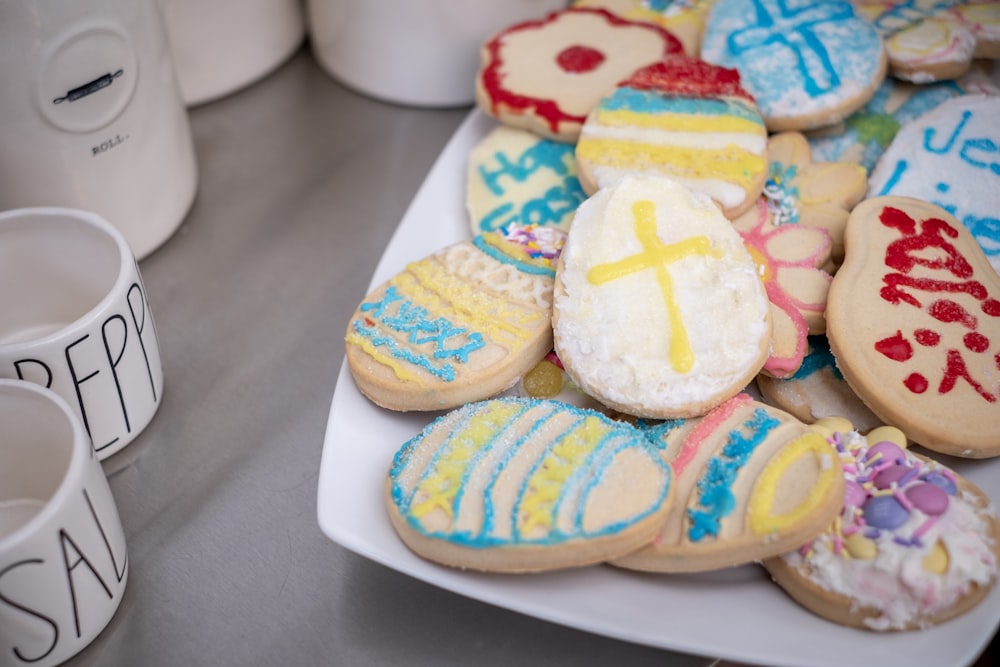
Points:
(647, 101)
(499, 256)
(716, 499)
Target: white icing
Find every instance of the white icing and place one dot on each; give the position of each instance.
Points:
(724, 192)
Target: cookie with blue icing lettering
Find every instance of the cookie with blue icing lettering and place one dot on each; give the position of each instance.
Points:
(658, 310)
(462, 324)
(915, 543)
(750, 482)
(516, 176)
(522, 485)
(808, 63)
(950, 156)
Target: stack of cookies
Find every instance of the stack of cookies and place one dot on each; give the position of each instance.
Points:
(731, 287)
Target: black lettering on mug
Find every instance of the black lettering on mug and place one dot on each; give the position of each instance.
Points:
(20, 365)
(78, 381)
(64, 540)
(113, 361)
(139, 320)
(30, 612)
(107, 543)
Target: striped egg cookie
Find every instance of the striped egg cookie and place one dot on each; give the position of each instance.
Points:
(685, 119)
(914, 544)
(521, 485)
(750, 482)
(462, 324)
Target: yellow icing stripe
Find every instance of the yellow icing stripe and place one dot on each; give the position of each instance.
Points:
(385, 359)
(761, 510)
(546, 485)
(439, 489)
(738, 167)
(430, 285)
(680, 122)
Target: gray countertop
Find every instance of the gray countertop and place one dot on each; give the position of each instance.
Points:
(302, 183)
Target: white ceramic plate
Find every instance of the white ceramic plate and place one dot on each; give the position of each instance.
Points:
(737, 614)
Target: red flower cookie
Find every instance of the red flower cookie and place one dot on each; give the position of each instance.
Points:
(913, 318)
(546, 75)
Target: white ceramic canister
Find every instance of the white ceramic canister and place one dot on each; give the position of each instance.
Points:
(91, 115)
(221, 46)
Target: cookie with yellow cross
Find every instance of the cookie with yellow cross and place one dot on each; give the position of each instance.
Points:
(658, 308)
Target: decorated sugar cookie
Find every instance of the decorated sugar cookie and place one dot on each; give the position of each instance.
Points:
(685, 19)
(750, 482)
(789, 258)
(913, 319)
(931, 40)
(950, 156)
(685, 119)
(866, 133)
(519, 485)
(817, 390)
(460, 325)
(808, 64)
(914, 545)
(516, 177)
(649, 271)
(546, 75)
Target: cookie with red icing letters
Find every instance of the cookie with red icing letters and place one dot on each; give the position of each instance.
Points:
(546, 75)
(913, 319)
(915, 544)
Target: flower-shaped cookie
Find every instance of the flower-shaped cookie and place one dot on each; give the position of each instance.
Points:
(934, 41)
(813, 194)
(788, 258)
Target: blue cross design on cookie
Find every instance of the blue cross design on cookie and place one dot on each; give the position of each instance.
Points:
(795, 28)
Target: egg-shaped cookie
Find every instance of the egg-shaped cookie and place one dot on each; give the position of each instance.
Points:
(460, 325)
(915, 544)
(913, 319)
(525, 485)
(659, 311)
(750, 482)
(681, 118)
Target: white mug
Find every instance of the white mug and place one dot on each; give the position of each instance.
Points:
(92, 115)
(76, 320)
(418, 52)
(63, 560)
(220, 46)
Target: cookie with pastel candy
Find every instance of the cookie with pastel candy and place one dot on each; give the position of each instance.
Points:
(546, 75)
(750, 482)
(685, 119)
(525, 485)
(808, 64)
(649, 270)
(915, 544)
(462, 324)
(913, 320)
(950, 156)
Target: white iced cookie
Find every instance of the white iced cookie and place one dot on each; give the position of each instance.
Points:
(658, 309)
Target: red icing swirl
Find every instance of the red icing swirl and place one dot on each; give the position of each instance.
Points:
(690, 77)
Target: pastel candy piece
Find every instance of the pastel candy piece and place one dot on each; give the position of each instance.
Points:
(885, 451)
(854, 494)
(950, 157)
(516, 485)
(648, 270)
(894, 474)
(926, 353)
(515, 176)
(681, 118)
(750, 481)
(941, 481)
(883, 568)
(928, 498)
(546, 75)
(807, 64)
(462, 324)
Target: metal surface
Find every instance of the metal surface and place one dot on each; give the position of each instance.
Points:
(302, 183)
